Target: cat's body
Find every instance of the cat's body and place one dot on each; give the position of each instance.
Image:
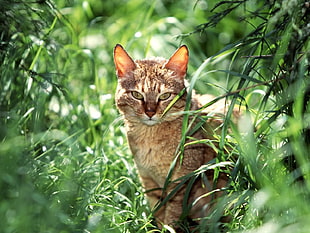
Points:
(145, 89)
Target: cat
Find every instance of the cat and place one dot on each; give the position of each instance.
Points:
(145, 89)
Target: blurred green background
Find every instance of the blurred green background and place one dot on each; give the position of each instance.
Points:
(64, 161)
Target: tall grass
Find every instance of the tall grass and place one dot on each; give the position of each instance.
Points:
(64, 162)
(270, 179)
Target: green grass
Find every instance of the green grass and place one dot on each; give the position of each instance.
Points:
(65, 165)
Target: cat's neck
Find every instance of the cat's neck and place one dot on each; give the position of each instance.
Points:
(142, 136)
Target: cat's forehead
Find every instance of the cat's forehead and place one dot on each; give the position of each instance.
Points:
(151, 61)
(151, 74)
(153, 70)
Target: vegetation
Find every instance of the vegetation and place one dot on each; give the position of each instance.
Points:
(64, 162)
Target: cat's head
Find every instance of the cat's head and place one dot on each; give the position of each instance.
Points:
(146, 87)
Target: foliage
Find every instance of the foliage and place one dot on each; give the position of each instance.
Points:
(273, 138)
(64, 161)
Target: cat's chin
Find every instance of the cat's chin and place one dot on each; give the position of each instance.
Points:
(150, 122)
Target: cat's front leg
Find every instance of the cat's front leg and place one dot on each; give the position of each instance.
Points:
(174, 207)
(153, 193)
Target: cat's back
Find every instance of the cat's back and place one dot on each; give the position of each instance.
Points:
(219, 107)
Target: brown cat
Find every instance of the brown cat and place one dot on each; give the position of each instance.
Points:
(145, 89)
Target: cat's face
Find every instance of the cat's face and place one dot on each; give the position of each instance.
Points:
(146, 87)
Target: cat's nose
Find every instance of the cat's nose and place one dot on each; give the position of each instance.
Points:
(150, 112)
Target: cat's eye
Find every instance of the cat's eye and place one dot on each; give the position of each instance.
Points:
(137, 95)
(164, 96)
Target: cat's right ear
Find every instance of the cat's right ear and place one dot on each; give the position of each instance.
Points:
(178, 61)
(123, 62)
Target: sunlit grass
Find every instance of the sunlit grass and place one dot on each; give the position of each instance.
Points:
(65, 165)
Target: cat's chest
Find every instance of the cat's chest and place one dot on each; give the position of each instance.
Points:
(154, 148)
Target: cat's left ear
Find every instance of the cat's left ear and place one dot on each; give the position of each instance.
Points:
(178, 61)
(123, 62)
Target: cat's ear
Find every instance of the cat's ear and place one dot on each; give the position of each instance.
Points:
(123, 62)
(178, 61)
